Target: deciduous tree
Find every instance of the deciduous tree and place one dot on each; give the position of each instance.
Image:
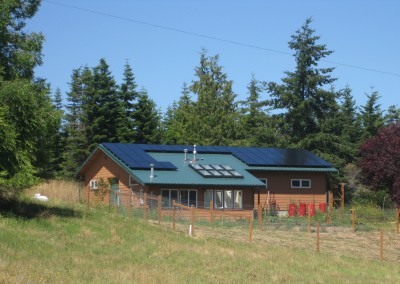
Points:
(380, 156)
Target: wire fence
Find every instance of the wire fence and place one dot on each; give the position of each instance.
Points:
(358, 231)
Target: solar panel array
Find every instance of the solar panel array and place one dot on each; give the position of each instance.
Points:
(135, 156)
(216, 171)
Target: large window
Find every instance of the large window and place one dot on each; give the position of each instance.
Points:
(301, 183)
(186, 197)
(168, 195)
(224, 199)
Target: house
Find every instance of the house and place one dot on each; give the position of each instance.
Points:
(226, 178)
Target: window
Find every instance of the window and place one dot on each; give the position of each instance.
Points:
(208, 196)
(301, 183)
(223, 199)
(265, 181)
(186, 197)
(93, 184)
(168, 195)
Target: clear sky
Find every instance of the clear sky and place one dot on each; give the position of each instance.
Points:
(362, 33)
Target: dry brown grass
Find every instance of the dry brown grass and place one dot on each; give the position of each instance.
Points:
(335, 241)
(67, 191)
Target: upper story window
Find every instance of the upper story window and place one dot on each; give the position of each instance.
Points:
(301, 183)
(93, 184)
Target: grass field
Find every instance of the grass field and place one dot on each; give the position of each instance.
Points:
(56, 243)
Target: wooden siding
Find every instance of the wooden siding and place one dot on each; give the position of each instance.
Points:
(281, 192)
(102, 166)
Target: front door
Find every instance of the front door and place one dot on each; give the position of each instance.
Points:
(114, 192)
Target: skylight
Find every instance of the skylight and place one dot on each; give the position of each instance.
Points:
(216, 171)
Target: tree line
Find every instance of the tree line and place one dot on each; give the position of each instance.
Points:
(41, 137)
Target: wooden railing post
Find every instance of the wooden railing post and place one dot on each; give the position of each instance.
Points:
(211, 212)
(145, 206)
(192, 219)
(353, 219)
(159, 209)
(259, 216)
(173, 214)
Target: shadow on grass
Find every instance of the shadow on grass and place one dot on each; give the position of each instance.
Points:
(28, 210)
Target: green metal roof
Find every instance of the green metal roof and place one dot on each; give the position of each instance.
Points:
(185, 175)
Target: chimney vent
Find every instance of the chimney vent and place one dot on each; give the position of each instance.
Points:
(194, 153)
(151, 170)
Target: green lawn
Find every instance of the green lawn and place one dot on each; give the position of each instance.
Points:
(58, 244)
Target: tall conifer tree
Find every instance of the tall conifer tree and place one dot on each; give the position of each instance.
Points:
(302, 94)
(215, 115)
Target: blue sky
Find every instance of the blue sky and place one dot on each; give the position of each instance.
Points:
(361, 33)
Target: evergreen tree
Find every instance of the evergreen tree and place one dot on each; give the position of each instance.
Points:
(147, 120)
(128, 97)
(76, 144)
(392, 115)
(179, 127)
(371, 116)
(215, 115)
(102, 106)
(302, 95)
(257, 125)
(57, 138)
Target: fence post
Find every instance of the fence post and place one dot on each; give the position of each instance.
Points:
(317, 236)
(159, 210)
(309, 219)
(342, 189)
(115, 202)
(211, 212)
(88, 197)
(397, 219)
(192, 219)
(353, 219)
(381, 246)
(330, 199)
(251, 228)
(145, 206)
(173, 214)
(259, 216)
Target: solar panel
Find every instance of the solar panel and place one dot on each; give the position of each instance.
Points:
(135, 155)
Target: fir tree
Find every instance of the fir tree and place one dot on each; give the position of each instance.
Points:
(215, 115)
(128, 96)
(103, 106)
(371, 116)
(76, 144)
(302, 95)
(147, 120)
